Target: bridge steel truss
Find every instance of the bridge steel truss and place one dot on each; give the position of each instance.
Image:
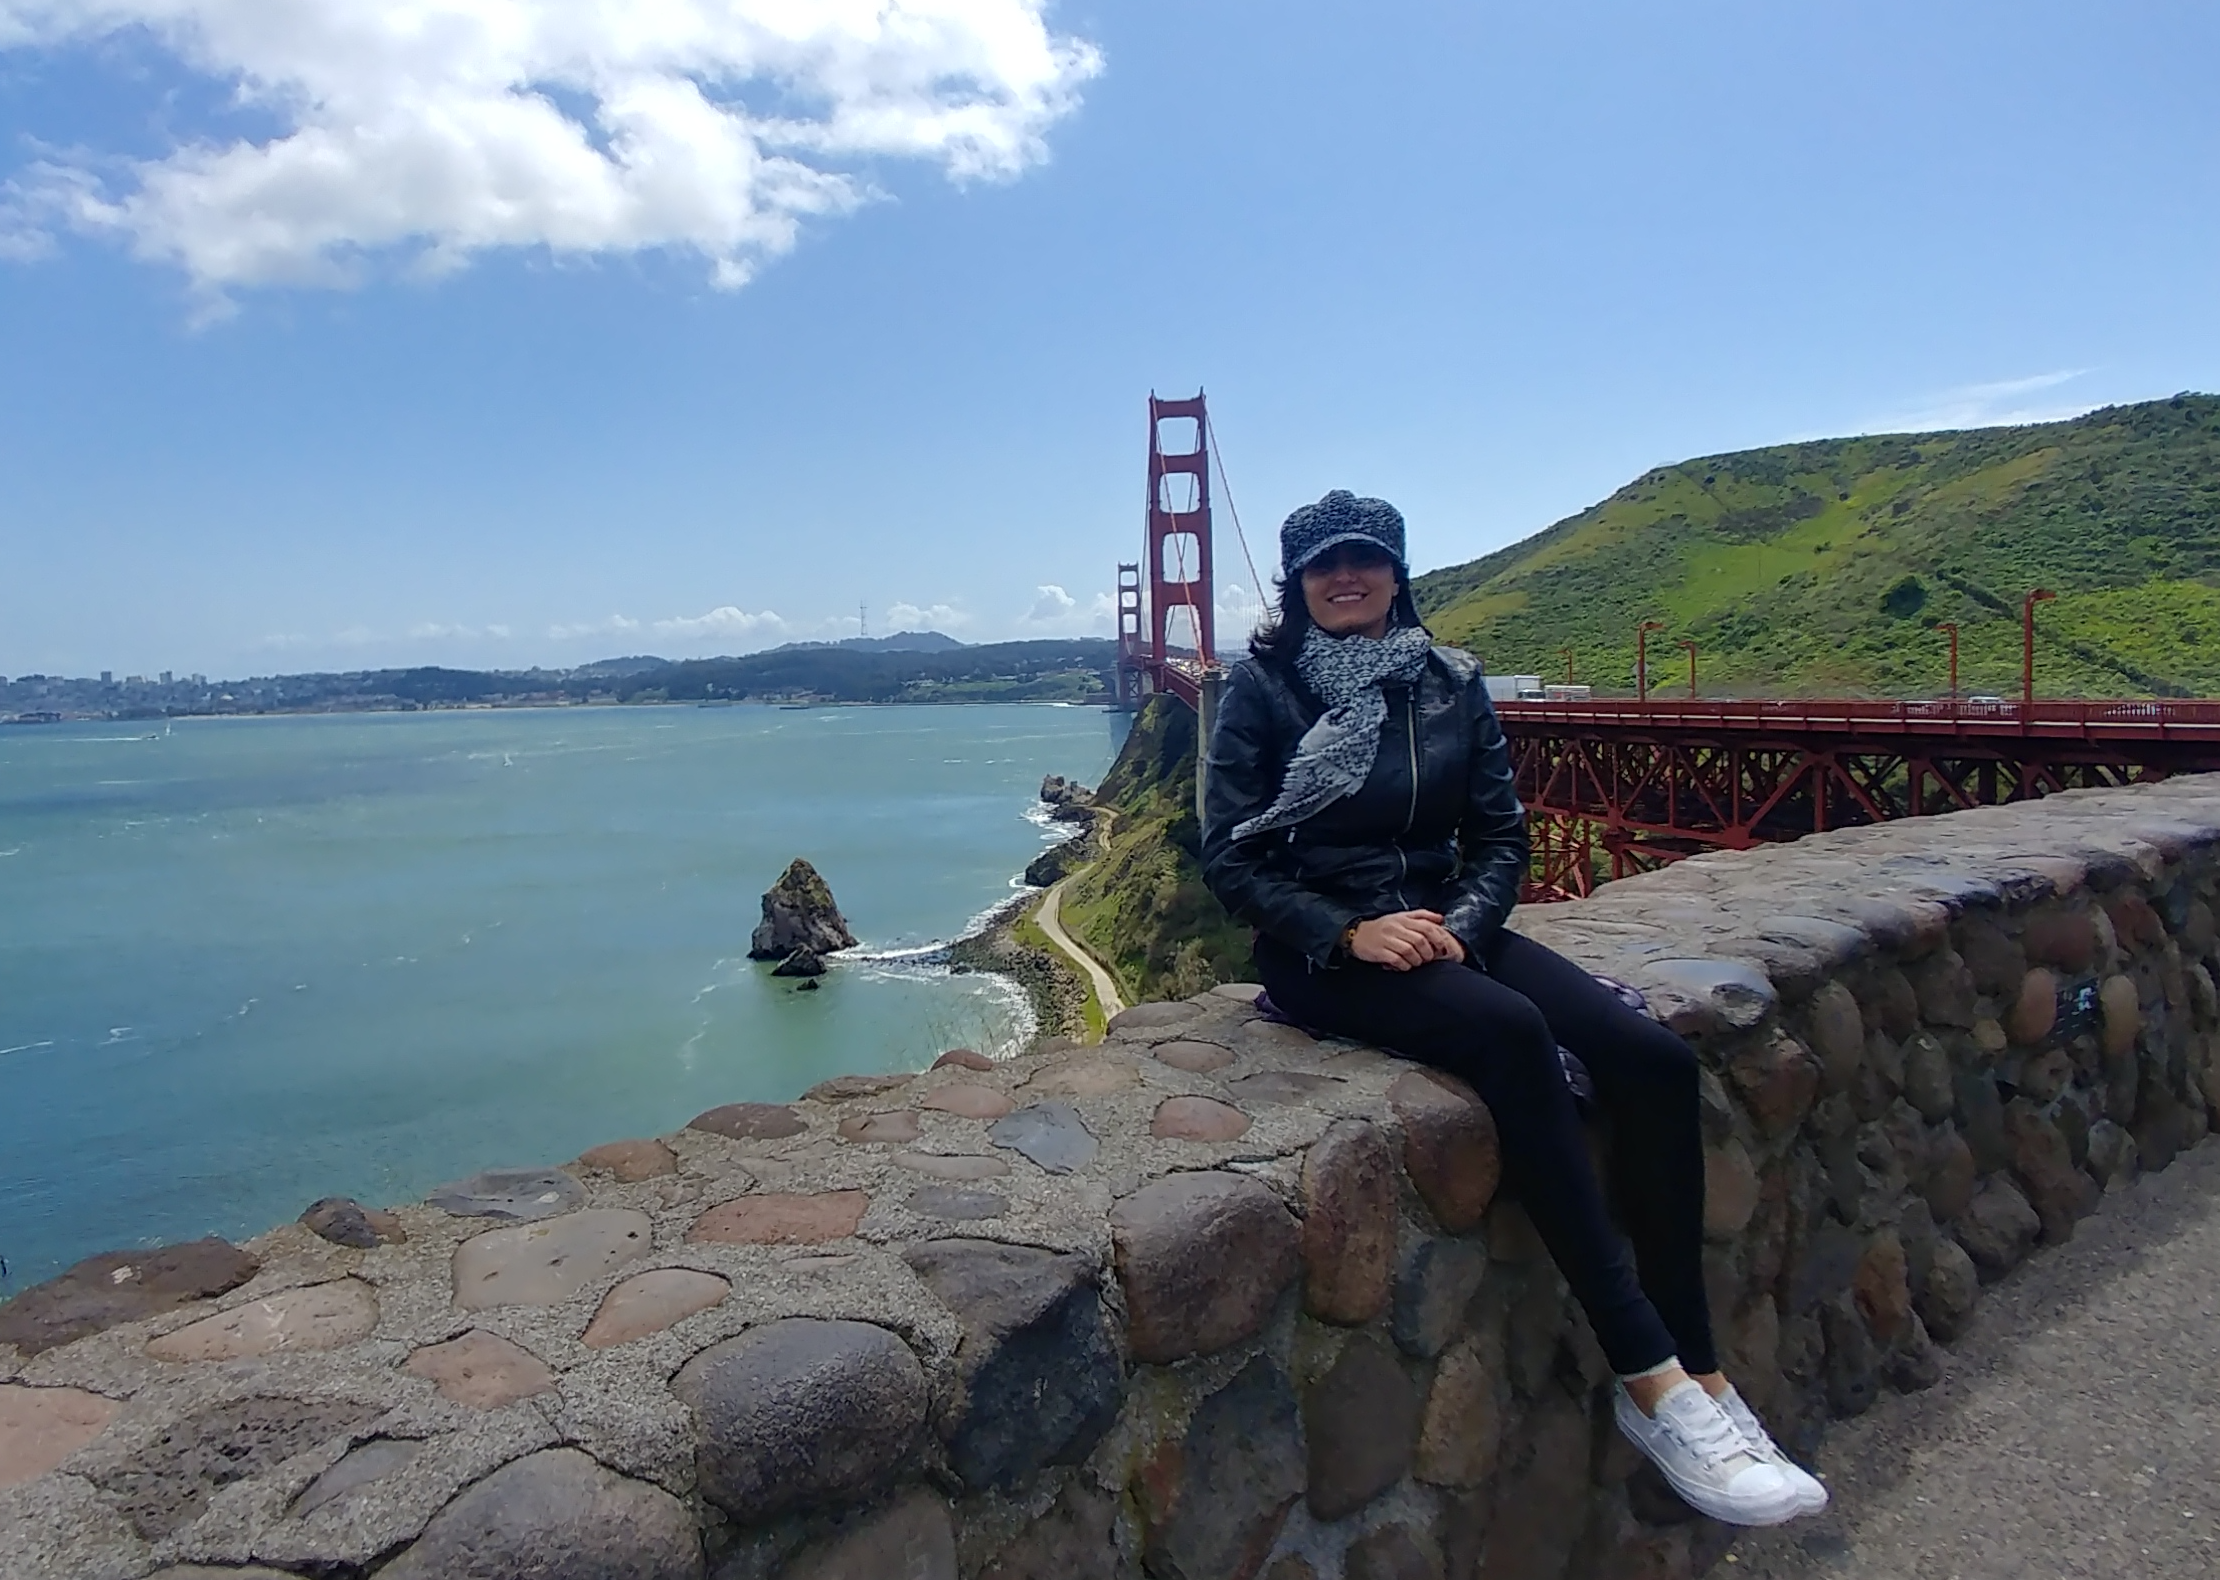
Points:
(1617, 787)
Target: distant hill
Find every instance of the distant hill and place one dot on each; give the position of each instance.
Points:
(899, 642)
(1065, 671)
(1072, 671)
(1822, 567)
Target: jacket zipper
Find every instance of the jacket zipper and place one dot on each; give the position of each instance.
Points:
(1410, 818)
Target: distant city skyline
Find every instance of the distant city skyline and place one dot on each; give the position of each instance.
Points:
(597, 331)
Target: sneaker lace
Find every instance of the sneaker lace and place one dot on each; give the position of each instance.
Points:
(1708, 1436)
(1752, 1429)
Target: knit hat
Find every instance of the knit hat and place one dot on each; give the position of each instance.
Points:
(1341, 517)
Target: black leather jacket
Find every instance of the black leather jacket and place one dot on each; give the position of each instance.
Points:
(1437, 826)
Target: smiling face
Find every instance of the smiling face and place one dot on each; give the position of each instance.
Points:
(1350, 590)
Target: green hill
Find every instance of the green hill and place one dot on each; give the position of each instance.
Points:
(1822, 567)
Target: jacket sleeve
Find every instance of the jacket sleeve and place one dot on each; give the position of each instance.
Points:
(1246, 762)
(1492, 836)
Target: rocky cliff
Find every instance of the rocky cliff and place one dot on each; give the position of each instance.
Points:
(1141, 909)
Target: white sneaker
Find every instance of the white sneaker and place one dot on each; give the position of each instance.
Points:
(1811, 1496)
(1705, 1458)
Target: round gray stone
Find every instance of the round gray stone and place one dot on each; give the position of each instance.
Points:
(556, 1515)
(800, 1413)
(1041, 1375)
(518, 1195)
(1051, 1134)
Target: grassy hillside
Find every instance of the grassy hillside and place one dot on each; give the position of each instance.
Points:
(1141, 909)
(1822, 567)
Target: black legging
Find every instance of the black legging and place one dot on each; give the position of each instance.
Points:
(1499, 1030)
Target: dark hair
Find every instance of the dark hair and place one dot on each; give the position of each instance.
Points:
(1278, 641)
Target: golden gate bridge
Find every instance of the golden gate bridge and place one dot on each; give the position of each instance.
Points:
(1623, 785)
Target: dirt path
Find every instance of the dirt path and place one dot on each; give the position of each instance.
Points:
(1050, 922)
(2075, 1433)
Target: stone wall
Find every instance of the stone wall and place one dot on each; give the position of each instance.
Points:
(1210, 1301)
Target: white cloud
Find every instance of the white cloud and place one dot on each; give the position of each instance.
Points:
(724, 623)
(614, 625)
(939, 617)
(1055, 612)
(1997, 404)
(434, 631)
(444, 128)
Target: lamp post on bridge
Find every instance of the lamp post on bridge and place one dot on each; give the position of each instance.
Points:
(1950, 629)
(1691, 669)
(2027, 644)
(1642, 658)
(1566, 654)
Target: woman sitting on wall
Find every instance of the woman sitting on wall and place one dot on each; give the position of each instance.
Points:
(1360, 814)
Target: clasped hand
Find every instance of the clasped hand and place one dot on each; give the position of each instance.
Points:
(1405, 940)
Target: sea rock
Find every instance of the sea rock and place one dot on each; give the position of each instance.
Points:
(1056, 790)
(121, 1286)
(804, 962)
(802, 1412)
(1059, 862)
(799, 913)
(556, 1515)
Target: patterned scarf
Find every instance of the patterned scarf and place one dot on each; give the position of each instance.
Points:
(1334, 757)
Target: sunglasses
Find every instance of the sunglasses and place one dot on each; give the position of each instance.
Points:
(1353, 556)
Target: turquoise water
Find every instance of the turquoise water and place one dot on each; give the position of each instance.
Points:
(246, 963)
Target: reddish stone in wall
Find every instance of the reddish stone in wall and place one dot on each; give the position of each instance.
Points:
(1202, 1258)
(1348, 1224)
(1450, 1149)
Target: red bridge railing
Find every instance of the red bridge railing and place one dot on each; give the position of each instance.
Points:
(1614, 787)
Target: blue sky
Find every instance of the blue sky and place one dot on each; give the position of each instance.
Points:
(318, 351)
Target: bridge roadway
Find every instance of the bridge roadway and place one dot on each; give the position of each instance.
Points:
(2076, 1431)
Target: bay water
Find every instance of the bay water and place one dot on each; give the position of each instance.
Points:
(246, 963)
